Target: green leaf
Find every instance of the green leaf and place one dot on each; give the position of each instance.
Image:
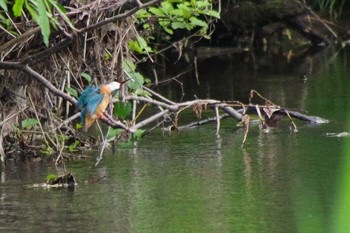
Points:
(197, 22)
(202, 4)
(138, 134)
(177, 25)
(28, 123)
(17, 8)
(86, 76)
(135, 46)
(128, 65)
(114, 132)
(165, 25)
(43, 22)
(62, 11)
(51, 177)
(167, 7)
(213, 14)
(32, 11)
(78, 125)
(3, 4)
(72, 92)
(137, 82)
(143, 44)
(73, 147)
(177, 12)
(185, 10)
(122, 110)
(143, 13)
(156, 11)
(203, 32)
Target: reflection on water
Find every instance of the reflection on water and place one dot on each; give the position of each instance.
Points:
(199, 181)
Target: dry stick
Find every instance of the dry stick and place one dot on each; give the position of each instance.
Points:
(39, 78)
(174, 78)
(293, 114)
(295, 129)
(163, 98)
(217, 119)
(321, 21)
(196, 69)
(231, 111)
(262, 97)
(202, 122)
(68, 86)
(59, 157)
(311, 119)
(68, 120)
(158, 96)
(35, 58)
(120, 16)
(2, 151)
(246, 121)
(104, 143)
(104, 139)
(37, 117)
(173, 107)
(20, 38)
(133, 116)
(148, 120)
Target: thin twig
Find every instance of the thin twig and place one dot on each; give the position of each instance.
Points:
(217, 119)
(37, 117)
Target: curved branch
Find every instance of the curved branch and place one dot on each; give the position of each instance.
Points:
(38, 77)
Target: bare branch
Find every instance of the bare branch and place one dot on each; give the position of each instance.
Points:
(148, 120)
(174, 107)
(120, 16)
(38, 77)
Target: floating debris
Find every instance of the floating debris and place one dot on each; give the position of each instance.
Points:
(338, 135)
(53, 181)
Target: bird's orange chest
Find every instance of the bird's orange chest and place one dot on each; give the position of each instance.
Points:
(105, 101)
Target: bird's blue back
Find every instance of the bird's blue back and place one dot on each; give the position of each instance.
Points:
(89, 100)
(90, 90)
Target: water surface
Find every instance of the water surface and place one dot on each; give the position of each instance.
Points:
(197, 181)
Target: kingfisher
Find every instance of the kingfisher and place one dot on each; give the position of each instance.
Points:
(93, 102)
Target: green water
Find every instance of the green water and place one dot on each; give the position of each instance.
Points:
(197, 181)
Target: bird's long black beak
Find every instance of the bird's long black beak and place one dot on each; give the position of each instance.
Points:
(121, 83)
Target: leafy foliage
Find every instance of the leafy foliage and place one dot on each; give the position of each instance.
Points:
(72, 91)
(140, 45)
(122, 110)
(73, 147)
(172, 15)
(87, 77)
(29, 123)
(137, 79)
(41, 11)
(51, 177)
(333, 8)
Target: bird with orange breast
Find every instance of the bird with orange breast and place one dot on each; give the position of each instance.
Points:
(93, 102)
